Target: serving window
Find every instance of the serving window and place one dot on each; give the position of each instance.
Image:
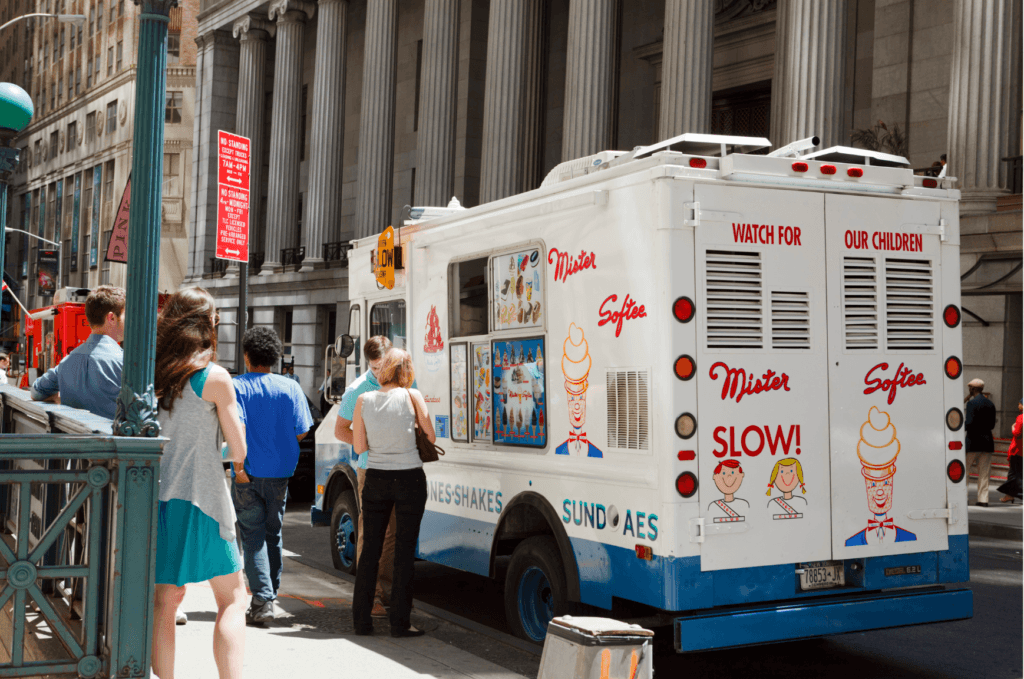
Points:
(518, 392)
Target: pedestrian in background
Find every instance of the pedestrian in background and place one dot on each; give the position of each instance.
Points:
(277, 417)
(384, 428)
(90, 376)
(979, 420)
(5, 365)
(196, 522)
(374, 350)
(1012, 488)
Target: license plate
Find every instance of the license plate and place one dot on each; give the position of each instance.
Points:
(821, 575)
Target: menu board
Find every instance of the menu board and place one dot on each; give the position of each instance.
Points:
(481, 392)
(519, 400)
(460, 404)
(517, 290)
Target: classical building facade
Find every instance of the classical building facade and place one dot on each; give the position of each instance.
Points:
(357, 108)
(76, 153)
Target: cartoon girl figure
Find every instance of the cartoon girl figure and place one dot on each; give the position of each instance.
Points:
(786, 476)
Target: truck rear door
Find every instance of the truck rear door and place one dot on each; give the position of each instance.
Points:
(885, 376)
(761, 359)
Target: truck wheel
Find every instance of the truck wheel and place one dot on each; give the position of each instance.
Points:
(534, 588)
(344, 519)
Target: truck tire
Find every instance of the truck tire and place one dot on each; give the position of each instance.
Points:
(344, 523)
(535, 590)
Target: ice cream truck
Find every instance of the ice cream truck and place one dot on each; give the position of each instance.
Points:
(706, 381)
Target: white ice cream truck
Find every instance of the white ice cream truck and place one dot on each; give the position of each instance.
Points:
(723, 385)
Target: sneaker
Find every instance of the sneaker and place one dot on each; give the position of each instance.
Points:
(378, 610)
(260, 611)
(179, 617)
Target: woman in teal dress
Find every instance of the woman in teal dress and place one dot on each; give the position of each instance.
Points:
(196, 531)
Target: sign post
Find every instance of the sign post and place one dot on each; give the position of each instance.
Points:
(233, 222)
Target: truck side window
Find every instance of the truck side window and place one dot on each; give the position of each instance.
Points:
(468, 295)
(388, 319)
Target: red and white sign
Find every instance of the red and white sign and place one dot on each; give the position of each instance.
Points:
(232, 197)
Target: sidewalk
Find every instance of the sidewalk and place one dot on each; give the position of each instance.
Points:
(313, 637)
(998, 520)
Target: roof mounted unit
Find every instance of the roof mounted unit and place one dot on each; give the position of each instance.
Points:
(848, 154)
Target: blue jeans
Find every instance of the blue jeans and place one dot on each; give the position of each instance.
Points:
(259, 505)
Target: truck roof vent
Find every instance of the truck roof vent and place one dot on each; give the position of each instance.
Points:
(860, 303)
(909, 302)
(791, 320)
(628, 409)
(734, 300)
(571, 169)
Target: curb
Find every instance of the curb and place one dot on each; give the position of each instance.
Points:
(995, 530)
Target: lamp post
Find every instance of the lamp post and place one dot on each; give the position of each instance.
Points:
(76, 19)
(15, 114)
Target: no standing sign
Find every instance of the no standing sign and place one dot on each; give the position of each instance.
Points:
(232, 197)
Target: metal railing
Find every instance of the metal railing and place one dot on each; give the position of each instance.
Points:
(80, 509)
(336, 252)
(256, 260)
(292, 257)
(1015, 173)
(217, 268)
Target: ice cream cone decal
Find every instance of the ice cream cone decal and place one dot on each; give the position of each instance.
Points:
(877, 450)
(576, 364)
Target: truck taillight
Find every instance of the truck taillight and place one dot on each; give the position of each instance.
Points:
(799, 167)
(955, 471)
(953, 367)
(685, 367)
(930, 183)
(698, 163)
(686, 425)
(828, 169)
(955, 445)
(951, 315)
(686, 484)
(854, 172)
(644, 552)
(682, 309)
(954, 419)
(687, 455)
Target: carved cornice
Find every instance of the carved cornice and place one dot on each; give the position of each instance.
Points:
(156, 6)
(280, 8)
(136, 413)
(253, 27)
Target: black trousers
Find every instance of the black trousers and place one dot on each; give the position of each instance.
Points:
(404, 490)
(1013, 481)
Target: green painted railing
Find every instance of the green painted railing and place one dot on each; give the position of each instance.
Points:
(78, 508)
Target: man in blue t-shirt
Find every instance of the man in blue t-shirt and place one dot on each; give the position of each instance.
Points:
(276, 416)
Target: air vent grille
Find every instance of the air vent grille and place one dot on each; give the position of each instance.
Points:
(791, 320)
(860, 303)
(734, 300)
(909, 302)
(628, 409)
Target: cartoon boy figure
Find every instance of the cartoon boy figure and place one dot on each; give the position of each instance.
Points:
(575, 368)
(786, 476)
(728, 477)
(877, 449)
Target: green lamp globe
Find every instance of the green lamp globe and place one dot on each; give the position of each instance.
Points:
(15, 107)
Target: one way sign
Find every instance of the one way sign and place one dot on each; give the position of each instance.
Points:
(233, 197)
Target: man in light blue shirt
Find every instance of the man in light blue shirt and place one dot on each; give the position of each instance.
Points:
(90, 376)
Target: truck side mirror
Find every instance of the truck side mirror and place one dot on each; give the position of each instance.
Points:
(334, 379)
(344, 346)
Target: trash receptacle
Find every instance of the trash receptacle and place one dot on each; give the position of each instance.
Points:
(596, 648)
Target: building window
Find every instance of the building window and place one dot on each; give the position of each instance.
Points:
(120, 55)
(113, 11)
(110, 61)
(53, 95)
(120, 8)
(105, 269)
(173, 48)
(62, 42)
(72, 135)
(302, 128)
(99, 124)
(172, 174)
(99, 16)
(88, 74)
(60, 90)
(39, 152)
(71, 46)
(79, 35)
(742, 111)
(108, 184)
(98, 60)
(172, 110)
(54, 138)
(78, 80)
(90, 126)
(71, 84)
(112, 117)
(92, 21)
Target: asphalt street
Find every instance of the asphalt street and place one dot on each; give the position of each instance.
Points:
(987, 646)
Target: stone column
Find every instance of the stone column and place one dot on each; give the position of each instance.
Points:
(686, 68)
(377, 119)
(589, 78)
(285, 129)
(984, 99)
(502, 162)
(435, 155)
(533, 94)
(808, 86)
(252, 33)
(327, 140)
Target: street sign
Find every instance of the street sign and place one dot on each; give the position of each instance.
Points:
(117, 246)
(232, 197)
(385, 271)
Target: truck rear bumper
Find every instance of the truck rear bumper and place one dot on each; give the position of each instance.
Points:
(767, 623)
